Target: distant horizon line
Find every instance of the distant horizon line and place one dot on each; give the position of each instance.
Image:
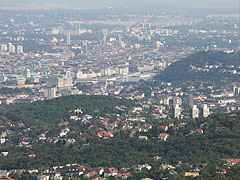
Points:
(54, 6)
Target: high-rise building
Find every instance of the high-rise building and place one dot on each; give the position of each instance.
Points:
(59, 82)
(105, 34)
(69, 38)
(19, 49)
(194, 112)
(235, 89)
(12, 48)
(205, 110)
(125, 77)
(177, 111)
(50, 92)
(4, 47)
(120, 38)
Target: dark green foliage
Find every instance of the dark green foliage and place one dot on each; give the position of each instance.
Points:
(49, 112)
(211, 147)
(180, 70)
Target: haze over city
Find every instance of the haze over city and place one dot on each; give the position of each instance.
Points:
(156, 4)
(119, 89)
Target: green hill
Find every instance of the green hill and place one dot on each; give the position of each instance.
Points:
(203, 66)
(109, 114)
(52, 112)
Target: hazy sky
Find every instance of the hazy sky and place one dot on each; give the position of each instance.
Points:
(128, 3)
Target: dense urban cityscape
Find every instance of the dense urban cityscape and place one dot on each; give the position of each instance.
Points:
(148, 68)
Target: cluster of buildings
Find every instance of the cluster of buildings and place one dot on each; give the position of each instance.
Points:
(7, 49)
(52, 59)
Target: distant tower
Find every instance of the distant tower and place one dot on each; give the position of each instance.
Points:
(19, 49)
(79, 29)
(194, 112)
(12, 48)
(105, 84)
(204, 111)
(4, 47)
(120, 38)
(105, 34)
(125, 78)
(69, 38)
(50, 93)
(176, 111)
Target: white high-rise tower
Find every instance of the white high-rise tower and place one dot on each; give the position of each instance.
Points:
(69, 38)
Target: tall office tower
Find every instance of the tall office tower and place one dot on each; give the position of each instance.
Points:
(119, 38)
(19, 49)
(12, 48)
(194, 112)
(204, 110)
(235, 89)
(105, 83)
(50, 92)
(105, 34)
(125, 77)
(177, 111)
(79, 29)
(4, 47)
(59, 82)
(69, 38)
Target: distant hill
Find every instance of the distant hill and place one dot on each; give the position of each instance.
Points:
(203, 66)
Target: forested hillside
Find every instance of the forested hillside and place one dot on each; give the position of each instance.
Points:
(35, 139)
(203, 66)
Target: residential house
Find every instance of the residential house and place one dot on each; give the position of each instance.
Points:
(163, 127)
(198, 131)
(193, 174)
(4, 153)
(182, 125)
(64, 132)
(2, 140)
(111, 172)
(143, 138)
(163, 136)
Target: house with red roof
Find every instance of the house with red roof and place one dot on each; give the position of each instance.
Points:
(163, 136)
(105, 134)
(111, 172)
(26, 138)
(233, 161)
(65, 123)
(106, 119)
(163, 127)
(182, 125)
(198, 131)
(32, 155)
(219, 128)
(82, 168)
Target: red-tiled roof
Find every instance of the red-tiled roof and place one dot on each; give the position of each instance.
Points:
(163, 134)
